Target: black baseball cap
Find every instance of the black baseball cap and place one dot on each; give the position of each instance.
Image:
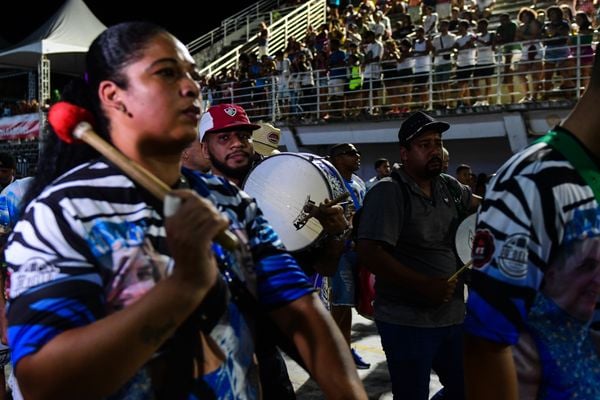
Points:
(418, 123)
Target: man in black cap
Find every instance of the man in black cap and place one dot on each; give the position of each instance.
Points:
(405, 236)
(8, 167)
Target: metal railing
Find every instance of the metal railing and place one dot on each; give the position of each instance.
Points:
(296, 23)
(273, 98)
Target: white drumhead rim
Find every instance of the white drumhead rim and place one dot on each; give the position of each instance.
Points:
(463, 240)
(309, 158)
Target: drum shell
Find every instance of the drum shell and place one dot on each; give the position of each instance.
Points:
(281, 184)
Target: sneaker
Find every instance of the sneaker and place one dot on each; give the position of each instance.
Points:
(358, 360)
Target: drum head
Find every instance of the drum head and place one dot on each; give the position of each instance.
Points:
(280, 184)
(464, 238)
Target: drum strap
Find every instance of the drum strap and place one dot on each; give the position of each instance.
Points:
(350, 189)
(565, 143)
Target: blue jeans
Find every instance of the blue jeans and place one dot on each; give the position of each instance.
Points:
(412, 353)
(343, 282)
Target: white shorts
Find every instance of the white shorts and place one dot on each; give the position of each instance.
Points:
(336, 87)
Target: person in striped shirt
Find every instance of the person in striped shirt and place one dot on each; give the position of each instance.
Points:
(536, 278)
(112, 296)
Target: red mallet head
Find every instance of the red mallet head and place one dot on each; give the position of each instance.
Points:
(64, 117)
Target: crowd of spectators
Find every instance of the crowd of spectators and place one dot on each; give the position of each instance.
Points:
(10, 108)
(395, 56)
(392, 56)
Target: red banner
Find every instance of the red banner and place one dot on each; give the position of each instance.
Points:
(26, 126)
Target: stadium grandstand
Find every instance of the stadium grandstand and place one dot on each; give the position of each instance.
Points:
(501, 71)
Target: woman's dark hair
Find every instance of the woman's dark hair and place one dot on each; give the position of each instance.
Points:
(587, 22)
(556, 10)
(527, 11)
(57, 157)
(114, 49)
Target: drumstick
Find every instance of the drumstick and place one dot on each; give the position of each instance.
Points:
(336, 200)
(70, 121)
(462, 269)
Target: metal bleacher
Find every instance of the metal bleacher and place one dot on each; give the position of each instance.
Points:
(236, 30)
(373, 128)
(290, 22)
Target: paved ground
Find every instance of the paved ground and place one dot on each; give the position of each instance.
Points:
(376, 379)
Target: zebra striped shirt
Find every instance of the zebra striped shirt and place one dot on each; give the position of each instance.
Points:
(536, 255)
(93, 243)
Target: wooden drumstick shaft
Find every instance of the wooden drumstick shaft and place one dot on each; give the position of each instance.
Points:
(84, 132)
(338, 200)
(461, 270)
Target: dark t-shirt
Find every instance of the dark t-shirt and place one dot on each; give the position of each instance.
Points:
(423, 240)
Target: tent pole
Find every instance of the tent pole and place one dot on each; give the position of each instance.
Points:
(44, 80)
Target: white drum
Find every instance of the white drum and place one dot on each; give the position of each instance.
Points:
(283, 184)
(465, 233)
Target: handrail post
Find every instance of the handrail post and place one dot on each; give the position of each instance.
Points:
(430, 89)
(247, 28)
(499, 69)
(318, 94)
(578, 69)
(274, 100)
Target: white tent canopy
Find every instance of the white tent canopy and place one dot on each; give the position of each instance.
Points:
(63, 39)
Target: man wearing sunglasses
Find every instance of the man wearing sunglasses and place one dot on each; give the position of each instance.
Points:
(346, 159)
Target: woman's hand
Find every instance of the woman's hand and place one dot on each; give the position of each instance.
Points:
(191, 224)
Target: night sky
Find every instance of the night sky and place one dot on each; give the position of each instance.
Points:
(185, 19)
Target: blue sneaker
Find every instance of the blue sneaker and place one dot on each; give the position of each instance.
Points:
(358, 360)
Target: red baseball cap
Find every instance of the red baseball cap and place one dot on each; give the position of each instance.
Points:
(224, 117)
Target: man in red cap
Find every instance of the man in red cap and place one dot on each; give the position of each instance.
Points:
(226, 133)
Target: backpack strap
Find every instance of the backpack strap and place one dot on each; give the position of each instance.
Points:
(566, 144)
(396, 178)
(456, 194)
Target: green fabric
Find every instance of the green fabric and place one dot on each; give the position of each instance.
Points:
(355, 78)
(560, 140)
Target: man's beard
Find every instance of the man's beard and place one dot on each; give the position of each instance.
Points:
(238, 173)
(432, 172)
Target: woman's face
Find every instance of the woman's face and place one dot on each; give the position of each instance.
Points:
(163, 96)
(574, 285)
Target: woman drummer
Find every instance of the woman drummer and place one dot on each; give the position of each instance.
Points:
(127, 298)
